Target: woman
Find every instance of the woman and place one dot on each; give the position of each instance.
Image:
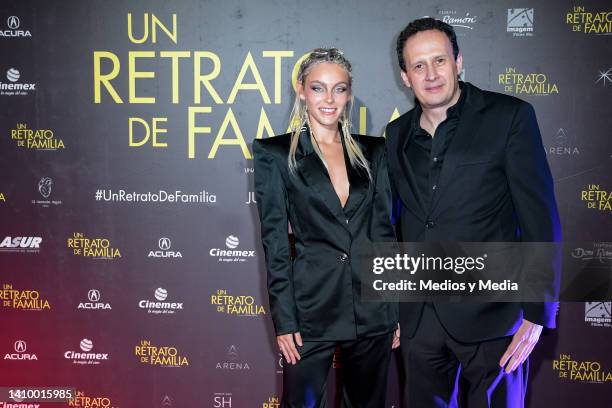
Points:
(333, 188)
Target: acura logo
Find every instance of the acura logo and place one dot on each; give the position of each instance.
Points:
(13, 22)
(20, 346)
(164, 244)
(93, 295)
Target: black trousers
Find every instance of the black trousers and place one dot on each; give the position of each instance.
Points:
(364, 364)
(434, 360)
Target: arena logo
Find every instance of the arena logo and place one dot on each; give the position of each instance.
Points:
(272, 402)
(158, 306)
(581, 371)
(597, 198)
(588, 22)
(82, 400)
(222, 400)
(95, 248)
(164, 245)
(35, 139)
(13, 30)
(563, 145)
(94, 302)
(14, 87)
(231, 254)
(534, 83)
(86, 356)
(20, 348)
(520, 22)
(164, 356)
(598, 314)
(240, 305)
(22, 299)
(458, 20)
(166, 402)
(605, 77)
(232, 363)
(20, 244)
(45, 188)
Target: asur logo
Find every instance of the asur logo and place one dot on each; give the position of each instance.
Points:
(13, 75)
(45, 186)
(13, 22)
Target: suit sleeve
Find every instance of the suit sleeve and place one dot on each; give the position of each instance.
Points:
(271, 196)
(531, 186)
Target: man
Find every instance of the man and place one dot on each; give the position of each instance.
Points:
(466, 165)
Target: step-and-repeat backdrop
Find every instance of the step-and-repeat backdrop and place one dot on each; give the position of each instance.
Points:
(130, 262)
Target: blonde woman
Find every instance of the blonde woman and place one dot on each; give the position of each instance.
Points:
(333, 188)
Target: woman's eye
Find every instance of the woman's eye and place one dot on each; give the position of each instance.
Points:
(317, 88)
(340, 89)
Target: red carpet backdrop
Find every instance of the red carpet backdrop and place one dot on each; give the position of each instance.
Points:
(130, 264)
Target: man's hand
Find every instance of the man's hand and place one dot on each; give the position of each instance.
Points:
(523, 342)
(396, 338)
(286, 344)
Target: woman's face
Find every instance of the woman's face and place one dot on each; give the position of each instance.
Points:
(325, 91)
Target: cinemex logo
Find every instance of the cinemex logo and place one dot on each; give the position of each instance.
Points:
(231, 254)
(20, 348)
(14, 87)
(159, 306)
(85, 357)
(13, 24)
(94, 302)
(520, 22)
(20, 244)
(164, 245)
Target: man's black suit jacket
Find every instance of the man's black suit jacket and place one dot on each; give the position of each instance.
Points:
(318, 293)
(495, 186)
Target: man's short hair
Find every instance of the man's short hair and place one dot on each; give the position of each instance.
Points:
(424, 24)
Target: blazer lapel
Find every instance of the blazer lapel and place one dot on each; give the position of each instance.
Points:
(462, 140)
(316, 177)
(359, 183)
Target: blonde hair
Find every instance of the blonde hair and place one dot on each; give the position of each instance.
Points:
(299, 115)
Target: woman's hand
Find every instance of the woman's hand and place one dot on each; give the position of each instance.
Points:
(286, 344)
(396, 338)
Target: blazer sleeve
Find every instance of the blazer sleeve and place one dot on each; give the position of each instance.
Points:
(271, 196)
(532, 190)
(382, 228)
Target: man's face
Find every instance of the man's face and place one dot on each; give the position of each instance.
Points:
(431, 69)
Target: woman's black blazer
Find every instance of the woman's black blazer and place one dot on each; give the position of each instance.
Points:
(318, 292)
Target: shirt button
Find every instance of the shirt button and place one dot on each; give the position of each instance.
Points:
(434, 187)
(430, 224)
(343, 257)
(435, 159)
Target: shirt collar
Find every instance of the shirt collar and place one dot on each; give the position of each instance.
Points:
(452, 112)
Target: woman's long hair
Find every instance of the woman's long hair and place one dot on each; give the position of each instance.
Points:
(299, 115)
